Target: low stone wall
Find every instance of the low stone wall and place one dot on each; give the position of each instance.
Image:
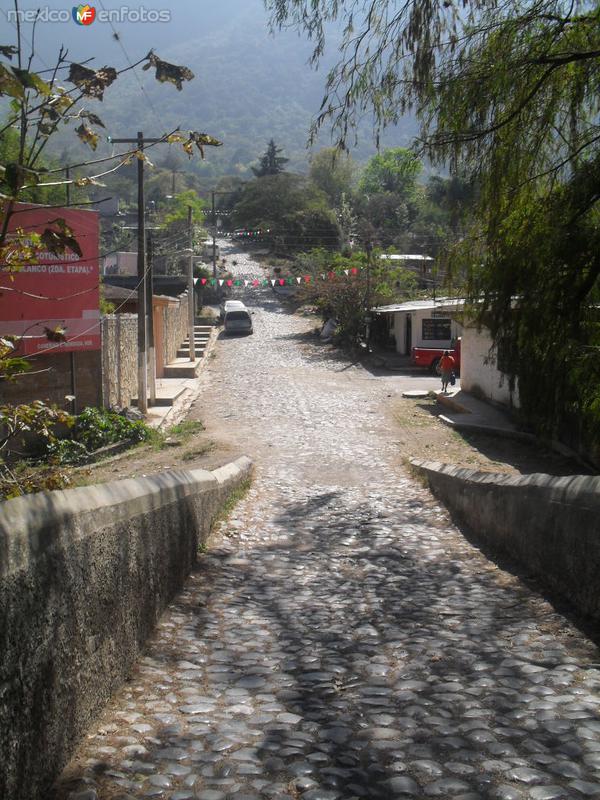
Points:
(119, 359)
(84, 576)
(549, 524)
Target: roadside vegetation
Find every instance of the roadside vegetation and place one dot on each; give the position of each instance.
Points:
(40, 444)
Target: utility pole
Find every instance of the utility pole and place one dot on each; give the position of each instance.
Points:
(191, 304)
(139, 141)
(369, 251)
(150, 316)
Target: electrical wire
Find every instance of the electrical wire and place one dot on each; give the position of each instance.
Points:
(117, 38)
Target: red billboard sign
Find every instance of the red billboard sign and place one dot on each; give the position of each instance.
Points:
(57, 291)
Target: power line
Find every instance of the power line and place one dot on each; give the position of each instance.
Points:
(117, 38)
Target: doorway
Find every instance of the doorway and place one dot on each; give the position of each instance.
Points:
(408, 334)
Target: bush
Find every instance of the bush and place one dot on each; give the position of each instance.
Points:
(98, 427)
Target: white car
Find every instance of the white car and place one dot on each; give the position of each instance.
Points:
(231, 305)
(237, 320)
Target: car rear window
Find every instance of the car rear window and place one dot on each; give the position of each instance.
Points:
(237, 315)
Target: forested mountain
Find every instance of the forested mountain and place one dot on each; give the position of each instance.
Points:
(249, 86)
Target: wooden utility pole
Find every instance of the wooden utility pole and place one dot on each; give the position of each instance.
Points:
(150, 317)
(142, 275)
(191, 308)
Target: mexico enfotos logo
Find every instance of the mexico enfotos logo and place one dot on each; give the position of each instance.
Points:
(85, 15)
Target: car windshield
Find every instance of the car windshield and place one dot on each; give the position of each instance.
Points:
(238, 315)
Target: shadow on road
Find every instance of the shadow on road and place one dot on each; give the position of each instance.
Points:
(394, 663)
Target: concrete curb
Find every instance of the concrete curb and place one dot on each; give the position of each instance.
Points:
(491, 430)
(547, 523)
(453, 405)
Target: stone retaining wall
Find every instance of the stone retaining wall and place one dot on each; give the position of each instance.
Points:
(119, 359)
(549, 524)
(84, 576)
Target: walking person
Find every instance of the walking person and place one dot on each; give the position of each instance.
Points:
(447, 364)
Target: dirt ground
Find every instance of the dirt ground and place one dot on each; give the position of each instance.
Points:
(423, 435)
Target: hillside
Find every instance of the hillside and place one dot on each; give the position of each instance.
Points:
(249, 86)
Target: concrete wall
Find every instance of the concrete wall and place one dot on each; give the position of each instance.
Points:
(51, 381)
(84, 576)
(548, 524)
(119, 359)
(479, 373)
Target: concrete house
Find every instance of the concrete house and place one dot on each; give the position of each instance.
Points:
(420, 323)
(483, 371)
(438, 323)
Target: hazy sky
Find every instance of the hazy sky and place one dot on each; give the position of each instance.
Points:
(187, 19)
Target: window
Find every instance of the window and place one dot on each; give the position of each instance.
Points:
(436, 330)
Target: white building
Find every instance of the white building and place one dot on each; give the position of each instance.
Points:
(480, 372)
(433, 323)
(421, 323)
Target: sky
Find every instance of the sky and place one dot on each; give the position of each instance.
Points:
(186, 20)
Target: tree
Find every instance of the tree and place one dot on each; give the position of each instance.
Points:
(345, 296)
(293, 210)
(333, 172)
(271, 163)
(395, 170)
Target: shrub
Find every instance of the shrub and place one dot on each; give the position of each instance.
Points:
(98, 427)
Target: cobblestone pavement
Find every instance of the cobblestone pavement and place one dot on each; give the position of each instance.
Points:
(341, 639)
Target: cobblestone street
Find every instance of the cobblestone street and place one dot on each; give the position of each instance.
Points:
(341, 638)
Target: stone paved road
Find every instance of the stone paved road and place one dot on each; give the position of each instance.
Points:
(342, 639)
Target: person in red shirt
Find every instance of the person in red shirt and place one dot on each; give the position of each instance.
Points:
(447, 365)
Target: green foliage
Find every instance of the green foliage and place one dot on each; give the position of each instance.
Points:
(67, 452)
(98, 427)
(34, 421)
(178, 208)
(536, 286)
(294, 210)
(186, 429)
(346, 298)
(271, 163)
(333, 173)
(395, 170)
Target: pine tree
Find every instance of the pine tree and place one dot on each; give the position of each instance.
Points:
(271, 163)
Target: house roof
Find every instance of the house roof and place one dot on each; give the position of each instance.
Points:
(450, 303)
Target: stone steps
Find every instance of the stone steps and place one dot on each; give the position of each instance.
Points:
(182, 368)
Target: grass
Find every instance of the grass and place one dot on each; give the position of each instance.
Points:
(232, 500)
(186, 428)
(176, 435)
(197, 452)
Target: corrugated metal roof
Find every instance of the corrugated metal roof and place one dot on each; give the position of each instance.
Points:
(404, 257)
(421, 305)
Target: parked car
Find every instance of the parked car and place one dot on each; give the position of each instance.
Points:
(230, 305)
(238, 321)
(430, 357)
(207, 250)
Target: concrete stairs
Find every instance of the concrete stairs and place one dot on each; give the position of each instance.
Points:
(178, 373)
(201, 337)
